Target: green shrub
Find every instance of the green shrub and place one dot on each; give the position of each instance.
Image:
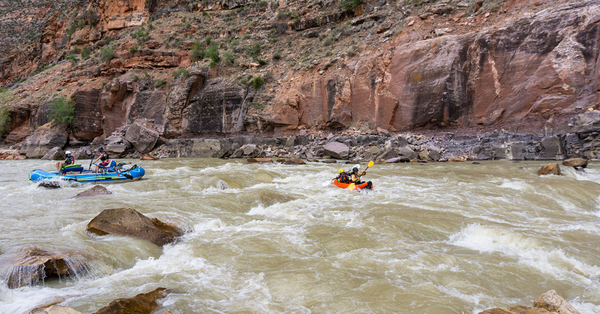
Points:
(135, 78)
(5, 98)
(133, 49)
(258, 82)
(277, 56)
(72, 58)
(71, 29)
(85, 53)
(141, 36)
(107, 54)
(197, 52)
(229, 58)
(495, 8)
(160, 83)
(213, 53)
(75, 50)
(349, 4)
(181, 72)
(62, 110)
(256, 105)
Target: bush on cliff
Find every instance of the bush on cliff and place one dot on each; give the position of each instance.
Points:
(107, 54)
(181, 72)
(62, 110)
(349, 4)
(5, 98)
(258, 82)
(197, 52)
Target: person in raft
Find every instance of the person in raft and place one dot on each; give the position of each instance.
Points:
(69, 160)
(342, 177)
(103, 157)
(355, 176)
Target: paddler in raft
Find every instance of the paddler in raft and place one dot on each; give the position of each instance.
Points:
(69, 160)
(355, 177)
(342, 177)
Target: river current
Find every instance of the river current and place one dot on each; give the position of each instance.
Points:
(271, 238)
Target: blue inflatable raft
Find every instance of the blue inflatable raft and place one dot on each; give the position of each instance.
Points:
(78, 174)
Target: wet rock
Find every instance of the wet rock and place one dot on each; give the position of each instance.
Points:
(575, 162)
(553, 148)
(30, 265)
(551, 168)
(258, 160)
(148, 157)
(44, 139)
(142, 135)
(453, 158)
(143, 303)
(547, 303)
(329, 161)
(54, 309)
(294, 161)
(554, 303)
(50, 184)
(129, 222)
(93, 191)
(336, 150)
(55, 153)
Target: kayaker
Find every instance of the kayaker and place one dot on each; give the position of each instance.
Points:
(103, 157)
(342, 176)
(355, 177)
(69, 160)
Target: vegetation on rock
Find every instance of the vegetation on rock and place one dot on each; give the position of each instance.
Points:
(62, 110)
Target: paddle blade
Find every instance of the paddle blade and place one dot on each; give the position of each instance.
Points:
(326, 183)
(351, 187)
(371, 163)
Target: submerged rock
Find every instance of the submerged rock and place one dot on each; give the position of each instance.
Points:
(143, 303)
(54, 309)
(93, 191)
(30, 265)
(551, 168)
(130, 222)
(148, 157)
(549, 302)
(294, 161)
(50, 184)
(255, 160)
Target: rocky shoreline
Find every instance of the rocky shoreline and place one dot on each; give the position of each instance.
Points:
(139, 139)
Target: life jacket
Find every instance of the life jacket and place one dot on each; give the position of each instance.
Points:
(70, 160)
(343, 178)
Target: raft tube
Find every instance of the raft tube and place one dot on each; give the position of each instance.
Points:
(134, 173)
(364, 185)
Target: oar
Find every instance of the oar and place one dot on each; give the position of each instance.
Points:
(351, 186)
(91, 161)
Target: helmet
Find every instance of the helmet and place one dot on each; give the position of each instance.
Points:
(68, 152)
(357, 166)
(100, 149)
(355, 169)
(341, 170)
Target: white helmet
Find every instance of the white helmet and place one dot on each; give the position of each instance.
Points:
(68, 152)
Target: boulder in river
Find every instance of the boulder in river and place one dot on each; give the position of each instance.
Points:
(575, 162)
(54, 309)
(551, 168)
(30, 265)
(130, 222)
(547, 303)
(148, 157)
(142, 135)
(259, 160)
(143, 303)
(93, 191)
(294, 161)
(56, 153)
(50, 184)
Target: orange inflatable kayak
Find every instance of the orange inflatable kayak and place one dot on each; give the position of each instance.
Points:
(364, 185)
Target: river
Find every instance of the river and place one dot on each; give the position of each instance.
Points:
(270, 238)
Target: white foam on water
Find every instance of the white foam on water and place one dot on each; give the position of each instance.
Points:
(518, 185)
(526, 250)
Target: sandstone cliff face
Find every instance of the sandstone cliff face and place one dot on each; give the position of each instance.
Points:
(529, 69)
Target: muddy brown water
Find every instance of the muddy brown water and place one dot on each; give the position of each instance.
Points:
(270, 238)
